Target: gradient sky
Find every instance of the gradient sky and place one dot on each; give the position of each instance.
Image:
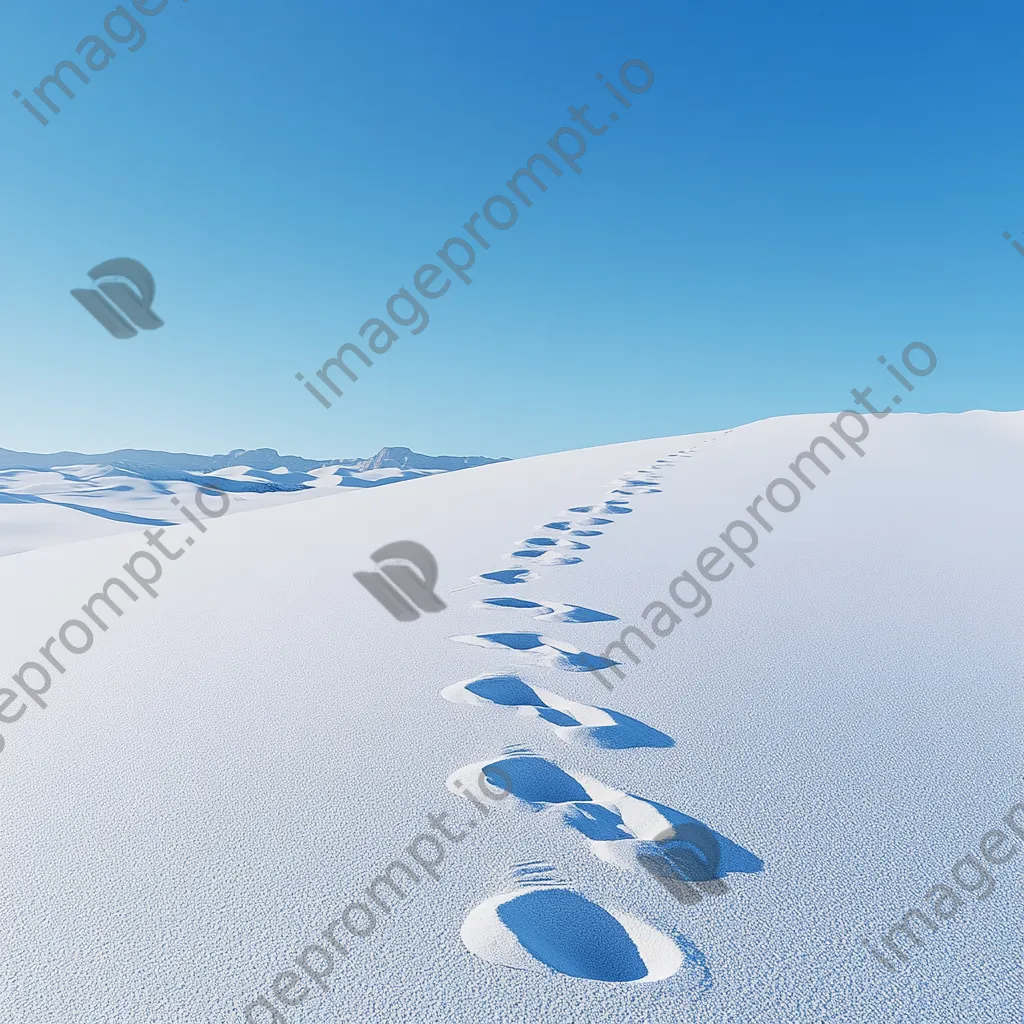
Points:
(806, 186)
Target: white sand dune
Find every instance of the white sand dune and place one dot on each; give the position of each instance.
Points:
(63, 504)
(230, 765)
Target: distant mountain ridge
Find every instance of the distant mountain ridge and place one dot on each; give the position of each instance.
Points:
(63, 496)
(138, 460)
(405, 458)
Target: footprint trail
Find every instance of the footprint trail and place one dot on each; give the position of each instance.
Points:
(544, 924)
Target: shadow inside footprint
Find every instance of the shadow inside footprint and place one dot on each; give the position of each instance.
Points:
(507, 576)
(550, 610)
(623, 829)
(699, 853)
(556, 928)
(571, 720)
(614, 508)
(573, 936)
(706, 854)
(546, 557)
(551, 542)
(540, 649)
(535, 781)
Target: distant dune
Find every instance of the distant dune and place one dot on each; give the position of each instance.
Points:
(69, 496)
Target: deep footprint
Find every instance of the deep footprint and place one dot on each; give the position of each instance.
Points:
(542, 557)
(621, 829)
(549, 610)
(571, 721)
(637, 485)
(609, 508)
(554, 927)
(552, 542)
(506, 576)
(563, 524)
(540, 650)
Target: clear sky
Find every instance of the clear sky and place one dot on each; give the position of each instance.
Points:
(804, 187)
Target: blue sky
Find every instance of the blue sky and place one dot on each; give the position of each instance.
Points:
(804, 187)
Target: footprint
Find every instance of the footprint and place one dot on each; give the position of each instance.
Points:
(569, 720)
(646, 489)
(630, 832)
(609, 508)
(506, 576)
(623, 830)
(640, 480)
(554, 928)
(554, 542)
(565, 525)
(549, 610)
(542, 557)
(540, 650)
(549, 927)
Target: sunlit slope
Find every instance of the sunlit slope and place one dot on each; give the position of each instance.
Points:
(227, 768)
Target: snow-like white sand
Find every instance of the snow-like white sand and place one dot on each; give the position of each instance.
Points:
(71, 503)
(232, 763)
